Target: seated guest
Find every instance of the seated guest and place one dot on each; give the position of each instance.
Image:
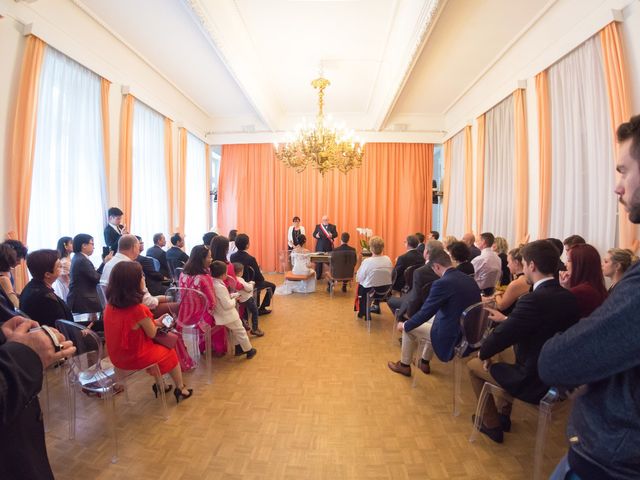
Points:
(584, 277)
(219, 248)
(449, 296)
(345, 247)
(470, 240)
(83, 296)
(518, 287)
(207, 237)
(8, 260)
(176, 257)
(487, 265)
(537, 316)
(128, 251)
(615, 264)
(571, 241)
(21, 255)
(61, 285)
(226, 313)
(152, 277)
(421, 238)
(196, 275)
(501, 247)
(560, 248)
(232, 243)
(130, 327)
(245, 298)
(423, 277)
(461, 256)
(38, 299)
(114, 229)
(434, 235)
(374, 271)
(241, 256)
(159, 254)
(407, 259)
(449, 239)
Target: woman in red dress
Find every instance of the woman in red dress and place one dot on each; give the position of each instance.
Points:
(129, 328)
(584, 278)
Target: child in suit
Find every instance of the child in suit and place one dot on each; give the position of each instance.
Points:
(225, 311)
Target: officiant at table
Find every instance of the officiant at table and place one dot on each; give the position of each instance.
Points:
(324, 234)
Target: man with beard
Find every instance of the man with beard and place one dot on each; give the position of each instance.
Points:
(602, 351)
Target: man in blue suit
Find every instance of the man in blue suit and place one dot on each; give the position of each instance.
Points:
(448, 298)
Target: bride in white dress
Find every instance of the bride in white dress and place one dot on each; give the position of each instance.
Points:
(301, 266)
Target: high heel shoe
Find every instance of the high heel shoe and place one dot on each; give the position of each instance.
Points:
(156, 390)
(178, 394)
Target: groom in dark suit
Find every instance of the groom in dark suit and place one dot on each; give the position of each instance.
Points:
(324, 234)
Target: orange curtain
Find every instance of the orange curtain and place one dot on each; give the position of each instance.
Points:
(446, 185)
(390, 193)
(23, 144)
(615, 71)
(207, 182)
(168, 165)
(182, 178)
(105, 85)
(544, 140)
(468, 179)
(125, 168)
(480, 174)
(521, 184)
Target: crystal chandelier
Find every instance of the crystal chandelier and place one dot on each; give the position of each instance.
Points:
(321, 147)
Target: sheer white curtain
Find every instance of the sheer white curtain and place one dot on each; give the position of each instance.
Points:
(582, 180)
(149, 177)
(68, 187)
(499, 170)
(457, 194)
(195, 223)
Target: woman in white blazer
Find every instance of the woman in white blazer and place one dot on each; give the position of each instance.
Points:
(294, 233)
(225, 311)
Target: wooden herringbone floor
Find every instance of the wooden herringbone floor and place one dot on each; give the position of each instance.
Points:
(317, 402)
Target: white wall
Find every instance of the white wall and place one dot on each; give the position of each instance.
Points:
(565, 25)
(64, 26)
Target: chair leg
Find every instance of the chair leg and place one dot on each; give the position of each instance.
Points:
(207, 351)
(71, 406)
(416, 359)
(457, 380)
(487, 390)
(544, 418)
(161, 387)
(110, 406)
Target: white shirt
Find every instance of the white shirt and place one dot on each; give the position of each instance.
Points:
(149, 300)
(247, 290)
(542, 280)
(232, 249)
(375, 272)
(488, 268)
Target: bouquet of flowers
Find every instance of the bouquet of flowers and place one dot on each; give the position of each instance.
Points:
(365, 234)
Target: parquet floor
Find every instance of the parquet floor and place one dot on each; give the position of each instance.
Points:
(317, 402)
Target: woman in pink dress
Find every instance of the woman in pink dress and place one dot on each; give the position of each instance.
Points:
(196, 275)
(219, 248)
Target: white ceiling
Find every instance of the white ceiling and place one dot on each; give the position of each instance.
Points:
(250, 62)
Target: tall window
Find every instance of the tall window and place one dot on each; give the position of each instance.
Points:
(438, 171)
(149, 203)
(197, 195)
(582, 199)
(215, 180)
(457, 193)
(68, 186)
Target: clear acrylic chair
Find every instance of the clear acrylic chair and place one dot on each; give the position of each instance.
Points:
(544, 410)
(102, 295)
(474, 327)
(91, 371)
(378, 293)
(187, 307)
(342, 264)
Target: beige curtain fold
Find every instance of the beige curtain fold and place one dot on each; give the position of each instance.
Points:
(481, 120)
(615, 72)
(105, 86)
(446, 185)
(168, 163)
(23, 144)
(468, 179)
(125, 166)
(182, 178)
(544, 140)
(521, 184)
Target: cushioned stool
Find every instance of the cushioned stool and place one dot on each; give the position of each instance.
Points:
(304, 283)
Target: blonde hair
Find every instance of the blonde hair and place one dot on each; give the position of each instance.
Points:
(623, 257)
(376, 245)
(449, 239)
(501, 245)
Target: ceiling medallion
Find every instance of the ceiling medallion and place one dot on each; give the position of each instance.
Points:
(320, 146)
